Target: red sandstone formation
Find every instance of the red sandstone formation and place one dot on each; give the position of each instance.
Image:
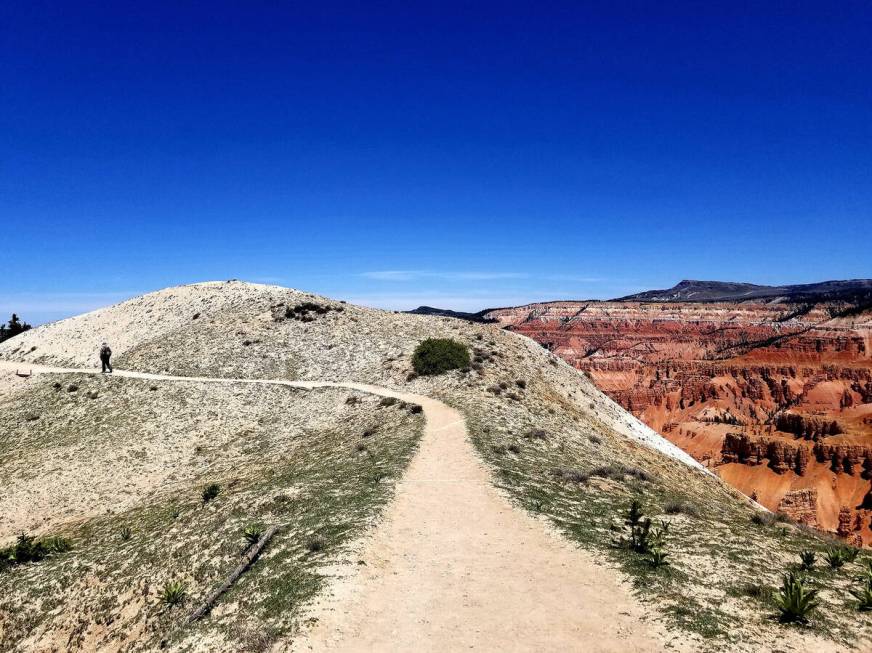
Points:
(777, 397)
(801, 506)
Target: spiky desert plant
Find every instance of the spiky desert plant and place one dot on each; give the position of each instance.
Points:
(864, 595)
(835, 557)
(252, 533)
(56, 544)
(795, 600)
(211, 491)
(657, 557)
(850, 553)
(316, 543)
(807, 559)
(174, 592)
(867, 572)
(125, 533)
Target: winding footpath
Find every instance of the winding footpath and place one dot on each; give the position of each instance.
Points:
(453, 566)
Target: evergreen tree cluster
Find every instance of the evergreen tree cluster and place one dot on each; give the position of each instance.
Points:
(12, 328)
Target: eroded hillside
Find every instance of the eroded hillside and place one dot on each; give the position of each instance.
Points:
(322, 464)
(776, 397)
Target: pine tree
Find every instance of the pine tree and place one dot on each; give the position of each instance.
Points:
(14, 327)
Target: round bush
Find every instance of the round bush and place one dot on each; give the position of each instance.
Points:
(438, 355)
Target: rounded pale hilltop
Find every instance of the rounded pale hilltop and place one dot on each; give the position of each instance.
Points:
(545, 465)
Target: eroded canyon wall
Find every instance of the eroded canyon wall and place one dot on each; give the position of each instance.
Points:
(776, 397)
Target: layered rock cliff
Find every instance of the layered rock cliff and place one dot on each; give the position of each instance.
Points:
(776, 396)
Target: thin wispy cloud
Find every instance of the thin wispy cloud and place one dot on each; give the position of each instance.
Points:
(573, 278)
(404, 302)
(417, 275)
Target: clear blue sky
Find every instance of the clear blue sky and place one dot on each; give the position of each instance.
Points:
(463, 155)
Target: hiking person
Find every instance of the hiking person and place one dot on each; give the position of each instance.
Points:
(105, 355)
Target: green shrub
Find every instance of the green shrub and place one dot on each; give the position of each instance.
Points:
(316, 543)
(642, 538)
(836, 557)
(657, 557)
(754, 591)
(56, 544)
(807, 559)
(795, 601)
(678, 507)
(28, 549)
(252, 533)
(617, 472)
(438, 355)
(864, 595)
(174, 593)
(210, 492)
(763, 518)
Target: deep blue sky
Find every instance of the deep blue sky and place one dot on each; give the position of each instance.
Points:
(464, 155)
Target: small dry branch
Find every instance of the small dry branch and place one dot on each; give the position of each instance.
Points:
(247, 559)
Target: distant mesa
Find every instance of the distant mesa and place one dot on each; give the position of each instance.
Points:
(725, 291)
(771, 386)
(444, 312)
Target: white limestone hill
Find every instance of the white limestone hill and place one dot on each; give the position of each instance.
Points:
(480, 507)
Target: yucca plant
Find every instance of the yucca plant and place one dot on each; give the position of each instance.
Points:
(56, 544)
(795, 601)
(657, 557)
(252, 533)
(125, 533)
(174, 593)
(866, 577)
(210, 492)
(807, 559)
(835, 557)
(850, 553)
(864, 594)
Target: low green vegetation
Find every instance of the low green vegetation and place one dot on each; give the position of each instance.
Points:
(174, 593)
(28, 548)
(277, 469)
(807, 560)
(13, 328)
(252, 533)
(837, 556)
(211, 491)
(863, 594)
(694, 548)
(795, 600)
(439, 355)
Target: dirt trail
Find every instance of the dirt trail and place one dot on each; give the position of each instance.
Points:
(454, 566)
